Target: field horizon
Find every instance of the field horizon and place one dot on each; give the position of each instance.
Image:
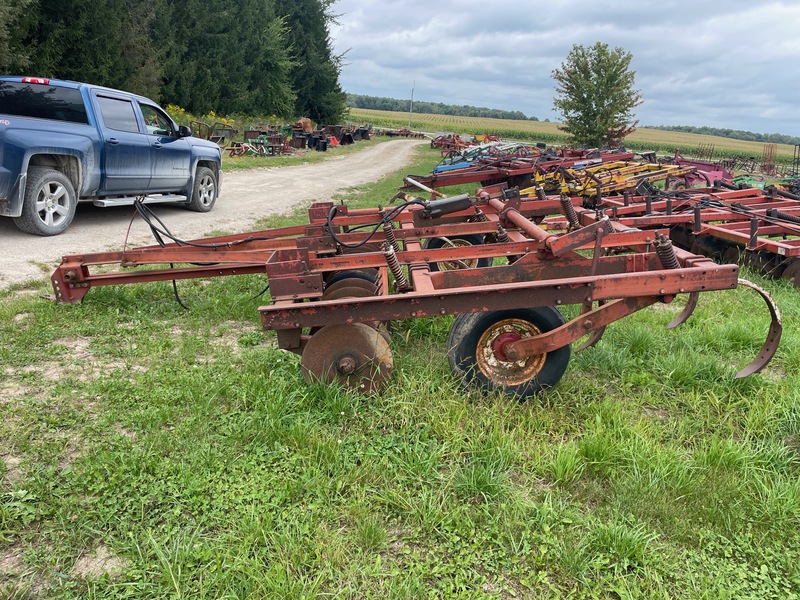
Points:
(643, 138)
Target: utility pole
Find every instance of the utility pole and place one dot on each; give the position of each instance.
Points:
(411, 106)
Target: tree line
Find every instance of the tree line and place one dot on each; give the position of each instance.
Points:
(255, 57)
(736, 134)
(433, 108)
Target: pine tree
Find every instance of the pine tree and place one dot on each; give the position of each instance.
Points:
(315, 75)
(13, 56)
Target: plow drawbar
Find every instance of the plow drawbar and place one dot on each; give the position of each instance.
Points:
(493, 260)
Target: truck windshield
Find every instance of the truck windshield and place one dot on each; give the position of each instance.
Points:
(42, 101)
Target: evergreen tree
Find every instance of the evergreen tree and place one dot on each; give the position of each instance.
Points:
(229, 57)
(79, 40)
(143, 56)
(13, 56)
(315, 76)
(269, 57)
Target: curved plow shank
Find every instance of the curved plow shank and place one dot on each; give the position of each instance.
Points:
(773, 336)
(596, 335)
(687, 311)
(592, 340)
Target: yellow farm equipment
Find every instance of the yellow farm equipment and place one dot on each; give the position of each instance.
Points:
(598, 180)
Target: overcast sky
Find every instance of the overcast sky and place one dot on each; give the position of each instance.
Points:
(729, 63)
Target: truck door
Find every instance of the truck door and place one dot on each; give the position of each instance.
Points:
(171, 154)
(126, 161)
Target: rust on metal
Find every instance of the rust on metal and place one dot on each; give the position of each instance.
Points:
(337, 280)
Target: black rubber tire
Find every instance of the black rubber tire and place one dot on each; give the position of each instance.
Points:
(370, 275)
(56, 199)
(520, 181)
(205, 191)
(467, 240)
(464, 340)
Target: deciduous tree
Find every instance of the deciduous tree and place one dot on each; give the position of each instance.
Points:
(596, 95)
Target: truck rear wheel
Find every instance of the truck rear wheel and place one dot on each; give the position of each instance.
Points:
(205, 191)
(49, 204)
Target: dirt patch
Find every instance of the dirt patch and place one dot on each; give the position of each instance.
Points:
(127, 433)
(228, 334)
(78, 347)
(246, 196)
(70, 454)
(13, 390)
(656, 414)
(100, 562)
(79, 362)
(11, 563)
(13, 471)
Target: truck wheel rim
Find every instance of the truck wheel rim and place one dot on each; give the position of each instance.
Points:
(52, 206)
(206, 191)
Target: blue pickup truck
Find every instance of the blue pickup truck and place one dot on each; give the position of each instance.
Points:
(63, 142)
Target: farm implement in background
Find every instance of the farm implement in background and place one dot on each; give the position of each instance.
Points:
(515, 169)
(452, 144)
(460, 159)
(596, 181)
(337, 283)
(705, 172)
(760, 227)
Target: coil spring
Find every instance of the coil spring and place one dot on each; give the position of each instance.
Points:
(400, 280)
(502, 238)
(569, 212)
(666, 252)
(388, 230)
(477, 217)
(778, 214)
(540, 194)
(502, 235)
(480, 217)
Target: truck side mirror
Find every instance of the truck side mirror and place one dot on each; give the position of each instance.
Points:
(184, 131)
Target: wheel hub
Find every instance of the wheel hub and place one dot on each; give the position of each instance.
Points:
(493, 362)
(347, 365)
(353, 356)
(500, 341)
(453, 265)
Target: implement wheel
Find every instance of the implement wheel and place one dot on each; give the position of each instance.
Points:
(458, 241)
(792, 272)
(476, 356)
(353, 356)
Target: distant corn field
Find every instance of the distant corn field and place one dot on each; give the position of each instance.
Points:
(540, 131)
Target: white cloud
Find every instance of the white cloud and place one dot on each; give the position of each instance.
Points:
(732, 64)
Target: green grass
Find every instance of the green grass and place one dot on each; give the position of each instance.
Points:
(153, 452)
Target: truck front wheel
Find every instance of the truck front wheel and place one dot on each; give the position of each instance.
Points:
(49, 204)
(205, 191)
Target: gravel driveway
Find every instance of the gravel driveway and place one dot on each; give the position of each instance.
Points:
(246, 196)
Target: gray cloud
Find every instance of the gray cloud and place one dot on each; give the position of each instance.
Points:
(731, 64)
